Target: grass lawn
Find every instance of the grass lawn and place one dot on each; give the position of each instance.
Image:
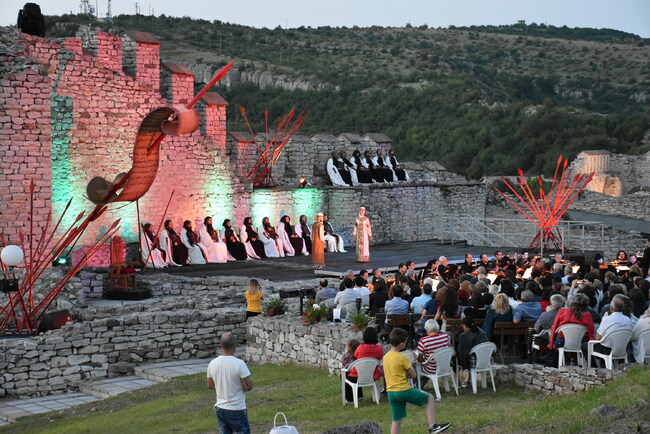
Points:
(312, 401)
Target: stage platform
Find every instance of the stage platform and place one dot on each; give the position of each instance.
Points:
(384, 256)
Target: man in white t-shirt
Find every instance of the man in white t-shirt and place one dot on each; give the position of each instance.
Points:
(230, 378)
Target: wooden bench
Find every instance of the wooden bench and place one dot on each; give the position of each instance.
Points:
(453, 327)
(504, 329)
(408, 320)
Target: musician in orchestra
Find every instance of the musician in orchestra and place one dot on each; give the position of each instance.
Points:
(484, 261)
(621, 259)
(498, 259)
(443, 268)
(557, 258)
(431, 270)
(522, 261)
(469, 265)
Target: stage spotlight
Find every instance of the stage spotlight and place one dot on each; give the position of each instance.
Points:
(61, 260)
(303, 182)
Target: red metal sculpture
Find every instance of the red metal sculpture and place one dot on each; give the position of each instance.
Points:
(261, 175)
(546, 211)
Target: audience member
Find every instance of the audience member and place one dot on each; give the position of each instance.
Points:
(253, 297)
(500, 311)
(433, 341)
(325, 292)
(471, 336)
(346, 361)
(528, 310)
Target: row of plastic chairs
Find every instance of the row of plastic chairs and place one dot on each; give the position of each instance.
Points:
(366, 367)
(617, 340)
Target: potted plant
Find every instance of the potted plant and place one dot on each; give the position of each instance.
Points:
(359, 320)
(276, 306)
(315, 313)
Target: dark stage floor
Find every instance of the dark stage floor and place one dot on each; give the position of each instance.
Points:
(384, 256)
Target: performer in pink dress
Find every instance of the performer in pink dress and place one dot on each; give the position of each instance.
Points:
(362, 233)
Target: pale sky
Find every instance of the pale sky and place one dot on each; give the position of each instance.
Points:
(632, 16)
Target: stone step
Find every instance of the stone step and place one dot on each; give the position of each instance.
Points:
(114, 386)
(165, 371)
(13, 409)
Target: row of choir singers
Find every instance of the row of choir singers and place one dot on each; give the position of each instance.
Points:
(364, 169)
(188, 246)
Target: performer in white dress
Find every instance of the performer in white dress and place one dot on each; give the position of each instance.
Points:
(334, 241)
(337, 176)
(191, 241)
(165, 244)
(152, 256)
(250, 238)
(285, 236)
(392, 162)
(272, 242)
(209, 236)
(362, 233)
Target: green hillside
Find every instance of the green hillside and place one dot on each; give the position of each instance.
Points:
(481, 100)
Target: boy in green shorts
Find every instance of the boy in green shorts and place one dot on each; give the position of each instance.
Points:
(397, 370)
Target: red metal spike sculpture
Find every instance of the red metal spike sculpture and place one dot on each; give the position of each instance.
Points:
(546, 211)
(261, 175)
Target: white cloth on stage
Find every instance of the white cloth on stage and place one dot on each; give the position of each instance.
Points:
(153, 257)
(272, 248)
(334, 175)
(193, 251)
(166, 246)
(217, 252)
(250, 251)
(334, 243)
(286, 243)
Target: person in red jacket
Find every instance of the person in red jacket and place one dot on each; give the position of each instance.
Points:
(576, 313)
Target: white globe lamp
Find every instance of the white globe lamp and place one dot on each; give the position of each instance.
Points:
(12, 255)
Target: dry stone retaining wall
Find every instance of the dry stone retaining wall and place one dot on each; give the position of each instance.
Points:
(59, 360)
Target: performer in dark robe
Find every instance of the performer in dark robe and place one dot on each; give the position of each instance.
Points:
(343, 170)
(235, 247)
(394, 164)
(179, 251)
(296, 241)
(302, 229)
(253, 237)
(378, 161)
(364, 174)
(468, 265)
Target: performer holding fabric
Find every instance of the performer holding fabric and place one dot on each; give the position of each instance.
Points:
(150, 248)
(362, 233)
(272, 243)
(235, 247)
(173, 245)
(302, 230)
(208, 233)
(334, 241)
(318, 243)
(191, 241)
(251, 239)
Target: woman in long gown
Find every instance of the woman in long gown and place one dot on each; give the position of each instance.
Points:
(172, 243)
(272, 243)
(302, 230)
(318, 246)
(191, 241)
(149, 246)
(362, 233)
(292, 242)
(209, 236)
(235, 247)
(251, 239)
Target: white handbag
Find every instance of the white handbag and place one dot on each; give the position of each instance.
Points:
(283, 429)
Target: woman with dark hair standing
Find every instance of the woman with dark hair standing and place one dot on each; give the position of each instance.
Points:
(235, 247)
(471, 336)
(251, 239)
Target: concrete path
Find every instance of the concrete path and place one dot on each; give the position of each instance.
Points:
(145, 375)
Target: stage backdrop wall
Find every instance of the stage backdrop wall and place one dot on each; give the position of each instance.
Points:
(71, 110)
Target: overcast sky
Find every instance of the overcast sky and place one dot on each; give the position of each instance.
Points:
(628, 15)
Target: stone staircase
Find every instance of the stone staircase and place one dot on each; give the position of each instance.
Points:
(144, 376)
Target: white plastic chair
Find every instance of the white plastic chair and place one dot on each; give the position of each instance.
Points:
(644, 339)
(483, 354)
(442, 358)
(365, 371)
(617, 341)
(573, 334)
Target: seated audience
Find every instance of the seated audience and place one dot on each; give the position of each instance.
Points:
(638, 346)
(369, 348)
(448, 307)
(324, 292)
(397, 305)
(429, 344)
(546, 319)
(615, 320)
(378, 298)
(500, 311)
(346, 297)
(476, 308)
(576, 313)
(346, 361)
(528, 310)
(471, 336)
(419, 302)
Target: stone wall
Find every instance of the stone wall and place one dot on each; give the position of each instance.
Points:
(636, 206)
(555, 381)
(59, 360)
(615, 174)
(283, 339)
